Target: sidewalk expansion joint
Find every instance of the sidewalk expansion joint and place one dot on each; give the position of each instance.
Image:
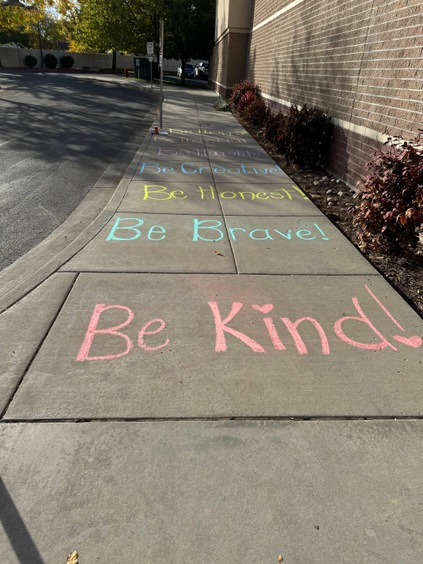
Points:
(213, 273)
(188, 214)
(282, 419)
(37, 350)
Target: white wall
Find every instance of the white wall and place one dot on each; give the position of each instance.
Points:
(14, 57)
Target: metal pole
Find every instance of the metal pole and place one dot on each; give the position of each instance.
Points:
(40, 44)
(161, 70)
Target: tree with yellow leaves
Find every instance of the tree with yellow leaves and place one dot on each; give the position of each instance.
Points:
(23, 22)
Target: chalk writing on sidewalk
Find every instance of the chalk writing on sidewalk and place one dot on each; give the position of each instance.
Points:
(278, 332)
(93, 330)
(198, 169)
(234, 133)
(210, 230)
(203, 152)
(178, 139)
(162, 193)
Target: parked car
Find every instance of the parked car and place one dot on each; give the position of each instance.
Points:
(189, 71)
(202, 70)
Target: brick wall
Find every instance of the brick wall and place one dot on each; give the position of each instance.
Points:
(361, 60)
(219, 66)
(229, 62)
(232, 34)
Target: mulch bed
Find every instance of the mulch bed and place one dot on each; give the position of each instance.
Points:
(333, 198)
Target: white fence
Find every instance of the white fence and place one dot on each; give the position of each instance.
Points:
(14, 57)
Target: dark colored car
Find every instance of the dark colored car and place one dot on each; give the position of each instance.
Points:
(189, 71)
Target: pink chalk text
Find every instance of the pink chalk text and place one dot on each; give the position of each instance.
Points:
(278, 333)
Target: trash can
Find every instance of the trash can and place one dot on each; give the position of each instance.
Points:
(137, 67)
(142, 68)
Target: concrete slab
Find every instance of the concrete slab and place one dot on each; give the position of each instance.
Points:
(222, 142)
(171, 197)
(159, 346)
(219, 155)
(21, 332)
(158, 243)
(283, 198)
(209, 117)
(218, 492)
(175, 346)
(190, 132)
(178, 139)
(212, 120)
(198, 244)
(234, 130)
(290, 245)
(162, 152)
(166, 170)
(190, 170)
(248, 172)
(232, 134)
(218, 136)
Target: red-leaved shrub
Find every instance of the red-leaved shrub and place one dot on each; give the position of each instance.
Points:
(246, 99)
(390, 197)
(238, 91)
(273, 123)
(304, 136)
(255, 112)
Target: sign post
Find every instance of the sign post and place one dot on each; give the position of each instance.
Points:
(161, 70)
(150, 53)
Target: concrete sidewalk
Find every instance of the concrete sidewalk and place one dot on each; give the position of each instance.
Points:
(211, 373)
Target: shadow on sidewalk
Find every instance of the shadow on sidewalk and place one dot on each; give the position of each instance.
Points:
(16, 530)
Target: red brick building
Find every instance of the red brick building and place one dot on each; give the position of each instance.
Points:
(360, 60)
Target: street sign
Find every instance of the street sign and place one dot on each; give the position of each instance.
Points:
(150, 59)
(150, 48)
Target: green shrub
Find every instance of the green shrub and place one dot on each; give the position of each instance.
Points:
(66, 61)
(30, 61)
(390, 208)
(221, 105)
(304, 136)
(50, 61)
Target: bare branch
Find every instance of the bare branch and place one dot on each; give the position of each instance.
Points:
(131, 9)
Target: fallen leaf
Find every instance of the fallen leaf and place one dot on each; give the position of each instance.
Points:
(72, 558)
(316, 527)
(280, 558)
(219, 253)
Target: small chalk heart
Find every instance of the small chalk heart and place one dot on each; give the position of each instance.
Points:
(264, 308)
(414, 342)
